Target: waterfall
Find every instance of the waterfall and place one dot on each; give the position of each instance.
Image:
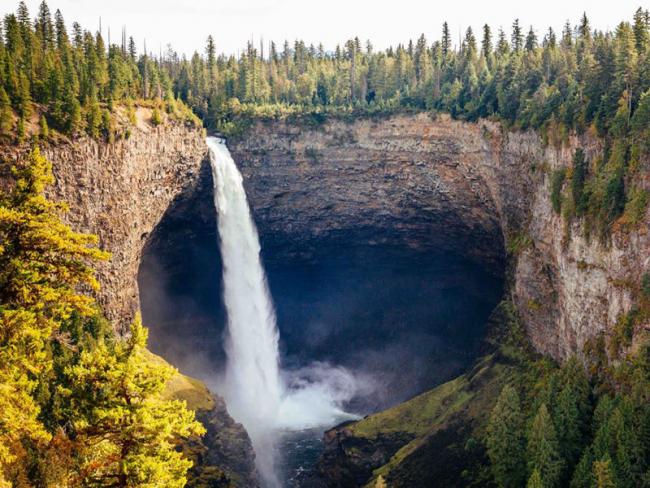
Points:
(255, 389)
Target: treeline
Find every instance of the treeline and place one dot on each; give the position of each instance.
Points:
(574, 81)
(73, 79)
(79, 407)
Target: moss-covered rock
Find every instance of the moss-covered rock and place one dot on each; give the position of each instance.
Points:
(223, 457)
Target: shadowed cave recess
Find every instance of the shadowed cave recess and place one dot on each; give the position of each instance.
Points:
(402, 315)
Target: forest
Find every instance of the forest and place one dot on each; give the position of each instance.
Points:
(574, 81)
(81, 407)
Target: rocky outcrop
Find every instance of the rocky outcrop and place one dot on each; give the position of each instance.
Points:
(434, 183)
(120, 191)
(223, 457)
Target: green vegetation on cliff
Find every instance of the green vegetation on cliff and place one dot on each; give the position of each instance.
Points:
(516, 419)
(78, 406)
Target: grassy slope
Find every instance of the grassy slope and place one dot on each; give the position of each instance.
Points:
(446, 422)
(461, 405)
(181, 387)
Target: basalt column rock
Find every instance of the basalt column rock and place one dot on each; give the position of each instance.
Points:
(120, 191)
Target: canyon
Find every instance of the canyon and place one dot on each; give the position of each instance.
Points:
(329, 194)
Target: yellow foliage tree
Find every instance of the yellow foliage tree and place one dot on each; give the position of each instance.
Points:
(126, 430)
(43, 264)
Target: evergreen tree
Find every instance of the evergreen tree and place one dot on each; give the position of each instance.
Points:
(641, 30)
(44, 26)
(578, 178)
(42, 263)
(44, 130)
(543, 450)
(517, 38)
(127, 430)
(505, 440)
(20, 130)
(603, 475)
(584, 30)
(535, 480)
(486, 43)
(446, 41)
(531, 40)
(6, 113)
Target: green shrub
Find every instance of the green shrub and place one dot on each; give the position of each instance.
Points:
(645, 285)
(578, 179)
(557, 182)
(519, 242)
(636, 206)
(44, 129)
(156, 118)
(614, 199)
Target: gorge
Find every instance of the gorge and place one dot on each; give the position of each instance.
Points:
(319, 265)
(453, 194)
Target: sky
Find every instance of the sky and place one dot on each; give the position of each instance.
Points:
(186, 24)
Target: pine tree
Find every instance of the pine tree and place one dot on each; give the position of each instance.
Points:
(126, 430)
(578, 179)
(584, 30)
(44, 130)
(6, 113)
(603, 474)
(502, 44)
(486, 43)
(44, 26)
(571, 411)
(567, 36)
(21, 130)
(531, 40)
(132, 49)
(156, 118)
(517, 38)
(641, 30)
(42, 263)
(535, 480)
(505, 440)
(543, 450)
(446, 41)
(24, 96)
(583, 476)
(93, 118)
(210, 51)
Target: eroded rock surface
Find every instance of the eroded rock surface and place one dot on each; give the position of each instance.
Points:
(120, 191)
(436, 183)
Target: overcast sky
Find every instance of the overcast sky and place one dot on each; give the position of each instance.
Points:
(186, 24)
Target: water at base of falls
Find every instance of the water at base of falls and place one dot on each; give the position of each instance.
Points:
(300, 451)
(267, 401)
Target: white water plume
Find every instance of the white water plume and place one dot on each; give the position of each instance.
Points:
(257, 394)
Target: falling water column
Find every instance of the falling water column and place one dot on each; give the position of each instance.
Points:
(252, 382)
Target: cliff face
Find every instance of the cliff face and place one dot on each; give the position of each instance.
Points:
(120, 191)
(435, 183)
(408, 181)
(426, 184)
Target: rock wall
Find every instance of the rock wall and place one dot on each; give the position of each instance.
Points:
(432, 182)
(120, 191)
